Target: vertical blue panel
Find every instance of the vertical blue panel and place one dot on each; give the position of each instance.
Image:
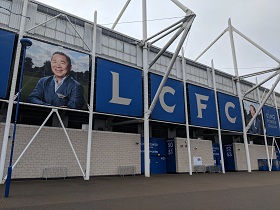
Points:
(158, 165)
(271, 121)
(230, 113)
(118, 89)
(202, 106)
(216, 154)
(277, 154)
(170, 157)
(229, 158)
(170, 105)
(158, 154)
(6, 53)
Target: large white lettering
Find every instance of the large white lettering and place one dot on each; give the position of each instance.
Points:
(227, 106)
(166, 89)
(200, 105)
(116, 99)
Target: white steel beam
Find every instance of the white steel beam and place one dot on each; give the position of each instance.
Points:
(30, 142)
(12, 91)
(53, 18)
(169, 27)
(120, 15)
(259, 73)
(218, 117)
(146, 92)
(182, 7)
(186, 113)
(49, 20)
(173, 59)
(259, 84)
(186, 25)
(256, 45)
(239, 96)
(272, 152)
(69, 141)
(264, 130)
(168, 32)
(207, 48)
(90, 122)
(263, 102)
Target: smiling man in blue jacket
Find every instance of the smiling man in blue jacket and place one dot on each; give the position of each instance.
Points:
(60, 89)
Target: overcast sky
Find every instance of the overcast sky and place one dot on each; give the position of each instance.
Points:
(257, 19)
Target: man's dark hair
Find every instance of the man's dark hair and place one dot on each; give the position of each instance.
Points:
(253, 107)
(67, 58)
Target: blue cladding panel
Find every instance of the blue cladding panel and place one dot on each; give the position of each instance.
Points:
(170, 106)
(118, 89)
(170, 157)
(230, 113)
(157, 149)
(229, 157)
(6, 53)
(271, 121)
(202, 106)
(216, 154)
(158, 165)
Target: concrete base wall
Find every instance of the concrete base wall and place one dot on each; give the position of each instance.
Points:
(51, 149)
(199, 148)
(256, 152)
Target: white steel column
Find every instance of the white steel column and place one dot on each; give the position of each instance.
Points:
(264, 130)
(239, 96)
(146, 99)
(186, 113)
(218, 117)
(272, 151)
(30, 142)
(277, 113)
(120, 15)
(91, 98)
(69, 141)
(12, 92)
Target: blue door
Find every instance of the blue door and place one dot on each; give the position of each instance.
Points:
(229, 157)
(157, 156)
(158, 165)
(170, 157)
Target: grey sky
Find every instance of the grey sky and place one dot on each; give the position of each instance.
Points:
(257, 19)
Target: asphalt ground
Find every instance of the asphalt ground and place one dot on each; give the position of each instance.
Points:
(233, 190)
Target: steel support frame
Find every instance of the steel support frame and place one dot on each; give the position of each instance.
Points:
(38, 131)
(12, 91)
(121, 13)
(264, 129)
(245, 138)
(148, 110)
(231, 29)
(218, 117)
(53, 18)
(12, 97)
(186, 113)
(93, 52)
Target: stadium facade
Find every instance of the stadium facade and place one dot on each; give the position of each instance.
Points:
(54, 141)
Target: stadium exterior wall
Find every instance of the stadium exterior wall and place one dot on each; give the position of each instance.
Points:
(51, 149)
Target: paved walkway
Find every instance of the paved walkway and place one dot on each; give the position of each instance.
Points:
(236, 190)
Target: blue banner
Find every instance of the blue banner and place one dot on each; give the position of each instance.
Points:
(170, 104)
(271, 121)
(202, 106)
(6, 53)
(118, 89)
(230, 112)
